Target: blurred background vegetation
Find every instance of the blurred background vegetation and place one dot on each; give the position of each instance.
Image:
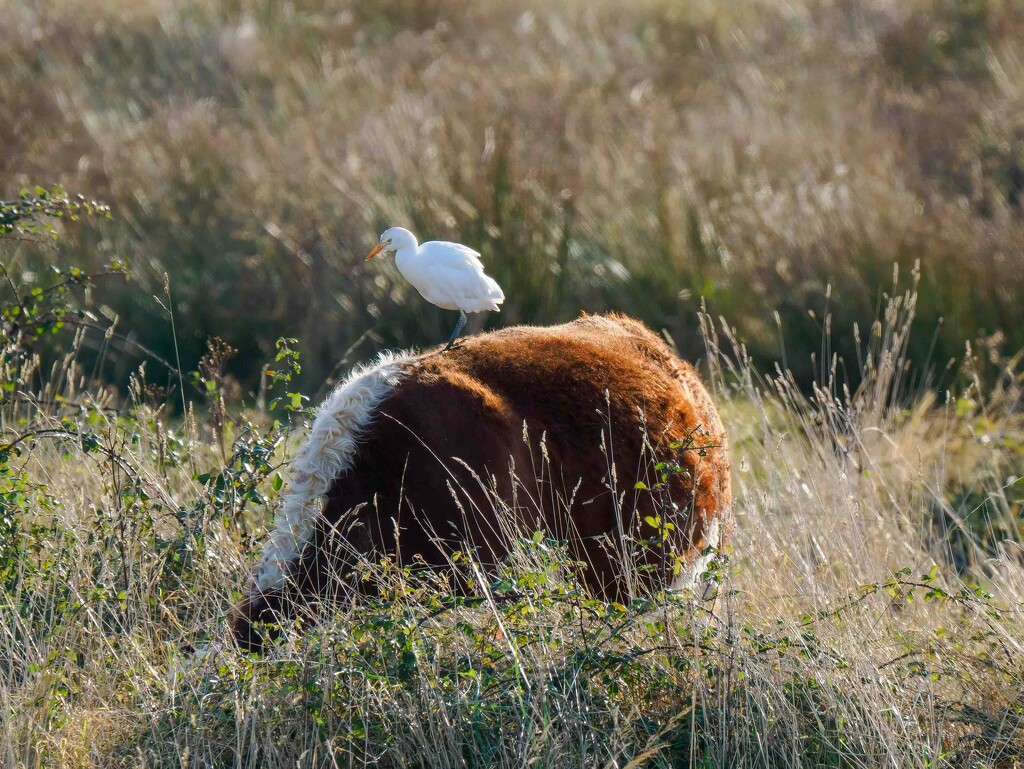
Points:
(775, 159)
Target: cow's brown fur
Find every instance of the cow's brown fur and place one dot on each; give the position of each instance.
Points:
(599, 387)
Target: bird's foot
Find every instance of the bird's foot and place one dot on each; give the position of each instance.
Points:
(447, 348)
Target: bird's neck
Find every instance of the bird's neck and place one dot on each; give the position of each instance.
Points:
(405, 259)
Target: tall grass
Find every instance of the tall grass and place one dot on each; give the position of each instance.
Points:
(771, 158)
(868, 610)
(773, 161)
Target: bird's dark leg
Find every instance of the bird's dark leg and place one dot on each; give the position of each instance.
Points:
(458, 330)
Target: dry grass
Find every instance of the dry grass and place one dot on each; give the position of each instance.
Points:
(600, 156)
(776, 159)
(848, 629)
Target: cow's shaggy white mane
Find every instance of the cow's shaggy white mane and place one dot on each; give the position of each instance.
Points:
(341, 421)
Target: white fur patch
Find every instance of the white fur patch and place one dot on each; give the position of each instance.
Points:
(341, 421)
(691, 576)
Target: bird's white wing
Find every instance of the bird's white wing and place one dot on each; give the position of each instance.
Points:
(448, 254)
(461, 288)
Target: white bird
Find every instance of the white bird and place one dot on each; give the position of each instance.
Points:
(446, 274)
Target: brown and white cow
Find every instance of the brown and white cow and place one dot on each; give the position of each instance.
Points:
(408, 455)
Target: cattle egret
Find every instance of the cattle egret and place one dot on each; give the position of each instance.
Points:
(446, 274)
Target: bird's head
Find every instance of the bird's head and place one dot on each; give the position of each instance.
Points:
(394, 239)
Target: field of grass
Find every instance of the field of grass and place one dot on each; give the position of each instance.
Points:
(869, 609)
(840, 185)
(772, 158)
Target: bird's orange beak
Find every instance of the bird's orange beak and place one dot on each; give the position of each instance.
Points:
(376, 250)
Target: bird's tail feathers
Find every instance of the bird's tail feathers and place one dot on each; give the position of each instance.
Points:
(494, 290)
